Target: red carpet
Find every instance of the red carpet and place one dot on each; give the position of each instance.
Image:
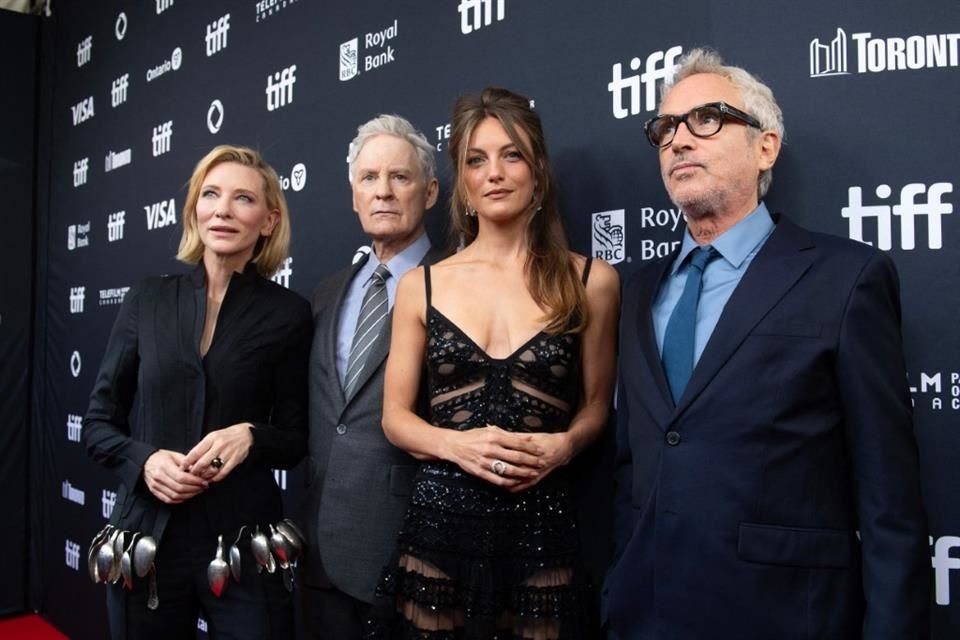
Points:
(30, 627)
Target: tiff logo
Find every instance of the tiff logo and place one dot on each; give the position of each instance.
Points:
(162, 133)
(217, 34)
(282, 276)
(72, 554)
(118, 90)
(829, 59)
(77, 296)
(71, 493)
(115, 222)
(933, 208)
(74, 427)
(84, 51)
(626, 91)
(943, 563)
(280, 88)
(608, 238)
(163, 5)
(476, 14)
(80, 171)
(82, 111)
(161, 214)
(108, 500)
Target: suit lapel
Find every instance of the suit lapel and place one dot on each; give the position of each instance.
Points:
(776, 268)
(326, 341)
(646, 296)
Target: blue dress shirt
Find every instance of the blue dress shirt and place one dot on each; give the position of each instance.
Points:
(737, 246)
(404, 261)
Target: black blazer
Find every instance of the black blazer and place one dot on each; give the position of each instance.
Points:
(154, 391)
(779, 498)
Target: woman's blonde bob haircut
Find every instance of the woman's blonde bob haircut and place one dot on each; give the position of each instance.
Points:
(270, 250)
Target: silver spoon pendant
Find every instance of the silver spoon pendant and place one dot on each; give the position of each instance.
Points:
(143, 555)
(94, 550)
(217, 571)
(260, 548)
(153, 601)
(105, 558)
(126, 563)
(295, 542)
(280, 547)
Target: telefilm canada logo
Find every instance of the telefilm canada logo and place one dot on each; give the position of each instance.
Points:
(637, 93)
(378, 51)
(112, 296)
(875, 55)
(916, 201)
(477, 14)
(268, 8)
(608, 238)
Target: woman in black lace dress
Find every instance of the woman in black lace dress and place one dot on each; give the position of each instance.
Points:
(518, 334)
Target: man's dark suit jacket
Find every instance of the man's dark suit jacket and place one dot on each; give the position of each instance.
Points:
(738, 509)
(359, 483)
(155, 391)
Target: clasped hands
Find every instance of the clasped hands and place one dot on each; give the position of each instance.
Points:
(514, 461)
(174, 477)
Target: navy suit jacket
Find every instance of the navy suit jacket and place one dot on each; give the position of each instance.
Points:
(779, 498)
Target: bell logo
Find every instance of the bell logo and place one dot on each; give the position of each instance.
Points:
(162, 135)
(77, 296)
(476, 14)
(280, 88)
(75, 364)
(943, 563)
(84, 51)
(72, 554)
(80, 168)
(120, 26)
(215, 116)
(932, 208)
(282, 276)
(217, 34)
(608, 236)
(118, 90)
(161, 214)
(82, 111)
(659, 67)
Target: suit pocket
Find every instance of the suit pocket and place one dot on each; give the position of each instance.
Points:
(788, 327)
(795, 546)
(401, 479)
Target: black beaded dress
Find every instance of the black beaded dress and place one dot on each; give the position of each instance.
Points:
(474, 561)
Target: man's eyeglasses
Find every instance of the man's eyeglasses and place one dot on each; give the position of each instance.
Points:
(703, 121)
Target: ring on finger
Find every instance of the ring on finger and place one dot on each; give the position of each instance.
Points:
(217, 462)
(499, 467)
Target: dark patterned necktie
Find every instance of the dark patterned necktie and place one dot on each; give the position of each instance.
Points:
(373, 315)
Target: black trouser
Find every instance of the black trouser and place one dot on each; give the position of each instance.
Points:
(257, 608)
(330, 614)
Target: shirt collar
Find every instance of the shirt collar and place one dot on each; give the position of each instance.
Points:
(737, 242)
(400, 263)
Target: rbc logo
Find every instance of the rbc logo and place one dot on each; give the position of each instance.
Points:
(349, 59)
(608, 237)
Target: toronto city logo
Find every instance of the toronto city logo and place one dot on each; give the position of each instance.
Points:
(829, 58)
(930, 206)
(476, 14)
(627, 91)
(71, 493)
(608, 236)
(116, 159)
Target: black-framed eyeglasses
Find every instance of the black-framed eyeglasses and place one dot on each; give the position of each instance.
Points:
(703, 121)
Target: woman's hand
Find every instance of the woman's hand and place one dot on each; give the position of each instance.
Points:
(556, 451)
(500, 457)
(220, 451)
(166, 478)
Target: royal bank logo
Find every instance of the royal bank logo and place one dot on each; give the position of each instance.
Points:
(72, 494)
(118, 90)
(112, 296)
(162, 137)
(349, 59)
(170, 64)
(77, 297)
(938, 390)
(378, 51)
(875, 55)
(297, 180)
(215, 116)
(608, 238)
(637, 93)
(108, 500)
(916, 201)
(163, 5)
(282, 276)
(115, 224)
(82, 111)
(267, 8)
(72, 554)
(477, 14)
(74, 427)
(120, 26)
(116, 159)
(84, 51)
(943, 564)
(280, 88)
(80, 168)
(216, 37)
(75, 364)
(161, 214)
(78, 236)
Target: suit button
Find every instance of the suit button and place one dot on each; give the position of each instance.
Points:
(673, 438)
(341, 429)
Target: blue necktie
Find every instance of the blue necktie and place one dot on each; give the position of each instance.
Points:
(678, 337)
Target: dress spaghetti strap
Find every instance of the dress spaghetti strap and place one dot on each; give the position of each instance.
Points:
(586, 271)
(426, 282)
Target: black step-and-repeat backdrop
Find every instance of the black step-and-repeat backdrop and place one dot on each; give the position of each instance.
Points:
(138, 91)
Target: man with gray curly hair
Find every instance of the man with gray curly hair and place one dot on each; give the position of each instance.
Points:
(360, 483)
(767, 472)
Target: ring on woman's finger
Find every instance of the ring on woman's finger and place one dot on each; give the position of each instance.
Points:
(217, 462)
(499, 467)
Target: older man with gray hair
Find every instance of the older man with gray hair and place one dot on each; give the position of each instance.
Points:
(360, 483)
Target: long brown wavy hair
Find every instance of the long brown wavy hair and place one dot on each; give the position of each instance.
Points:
(552, 277)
